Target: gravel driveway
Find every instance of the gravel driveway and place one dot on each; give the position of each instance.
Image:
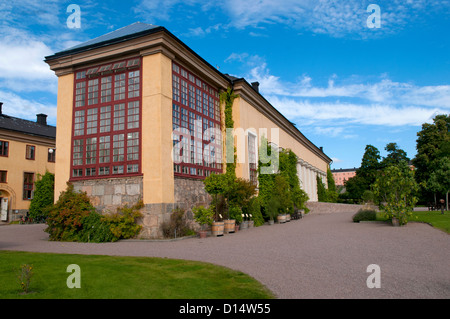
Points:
(324, 255)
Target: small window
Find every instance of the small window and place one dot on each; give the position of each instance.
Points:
(134, 62)
(105, 68)
(28, 180)
(31, 152)
(3, 175)
(91, 71)
(78, 172)
(118, 65)
(4, 147)
(81, 75)
(51, 155)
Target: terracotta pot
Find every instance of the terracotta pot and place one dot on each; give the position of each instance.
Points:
(236, 228)
(202, 233)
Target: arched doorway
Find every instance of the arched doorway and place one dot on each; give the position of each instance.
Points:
(7, 202)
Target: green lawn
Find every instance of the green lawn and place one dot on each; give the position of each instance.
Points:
(110, 277)
(434, 218)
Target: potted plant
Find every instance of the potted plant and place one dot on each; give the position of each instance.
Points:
(281, 218)
(250, 221)
(271, 209)
(203, 216)
(244, 223)
(235, 213)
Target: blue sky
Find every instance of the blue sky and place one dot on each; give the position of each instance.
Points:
(345, 85)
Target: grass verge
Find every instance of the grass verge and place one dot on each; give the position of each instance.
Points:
(112, 277)
(434, 218)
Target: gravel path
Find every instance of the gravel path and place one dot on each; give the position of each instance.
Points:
(324, 255)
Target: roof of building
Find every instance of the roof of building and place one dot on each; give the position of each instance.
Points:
(11, 123)
(134, 30)
(340, 170)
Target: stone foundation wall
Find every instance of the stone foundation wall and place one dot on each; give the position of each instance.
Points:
(327, 208)
(109, 194)
(190, 193)
(187, 193)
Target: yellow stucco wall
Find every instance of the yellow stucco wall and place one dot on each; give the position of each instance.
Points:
(157, 164)
(16, 165)
(63, 132)
(247, 117)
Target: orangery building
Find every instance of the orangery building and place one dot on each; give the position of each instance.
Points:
(139, 118)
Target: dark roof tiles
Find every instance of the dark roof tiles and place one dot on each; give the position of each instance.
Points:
(27, 127)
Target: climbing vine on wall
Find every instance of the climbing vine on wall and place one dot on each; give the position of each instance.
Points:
(227, 97)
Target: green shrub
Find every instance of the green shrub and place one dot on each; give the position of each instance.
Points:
(177, 225)
(65, 217)
(368, 197)
(123, 223)
(203, 216)
(235, 213)
(95, 230)
(272, 208)
(74, 218)
(43, 196)
(255, 211)
(365, 215)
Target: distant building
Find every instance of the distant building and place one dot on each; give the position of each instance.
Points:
(343, 174)
(27, 149)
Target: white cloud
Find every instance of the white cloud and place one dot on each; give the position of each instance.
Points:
(336, 18)
(345, 114)
(17, 106)
(22, 56)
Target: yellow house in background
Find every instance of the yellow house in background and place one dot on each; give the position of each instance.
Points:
(27, 149)
(139, 118)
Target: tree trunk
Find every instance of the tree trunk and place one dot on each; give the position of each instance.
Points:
(446, 200)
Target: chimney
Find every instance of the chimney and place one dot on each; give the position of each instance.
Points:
(255, 86)
(41, 119)
(1, 104)
(321, 149)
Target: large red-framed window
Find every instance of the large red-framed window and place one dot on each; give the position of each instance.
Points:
(106, 135)
(197, 142)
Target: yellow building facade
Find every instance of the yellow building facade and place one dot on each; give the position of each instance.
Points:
(27, 150)
(139, 118)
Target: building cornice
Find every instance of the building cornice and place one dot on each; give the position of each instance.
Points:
(246, 92)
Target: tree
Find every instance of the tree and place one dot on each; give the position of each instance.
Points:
(370, 164)
(395, 188)
(322, 195)
(439, 180)
(433, 142)
(331, 191)
(365, 174)
(395, 155)
(43, 196)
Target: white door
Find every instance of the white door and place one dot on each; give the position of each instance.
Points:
(4, 209)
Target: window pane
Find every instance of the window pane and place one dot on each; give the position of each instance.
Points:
(119, 117)
(133, 84)
(119, 87)
(4, 148)
(106, 89)
(133, 115)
